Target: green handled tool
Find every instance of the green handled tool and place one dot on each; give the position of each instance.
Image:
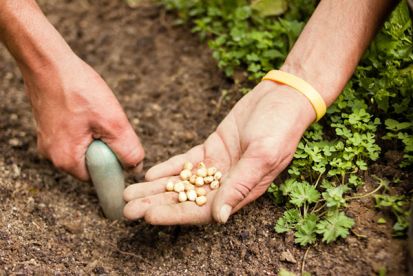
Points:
(107, 177)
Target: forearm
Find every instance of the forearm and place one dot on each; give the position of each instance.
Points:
(30, 38)
(333, 41)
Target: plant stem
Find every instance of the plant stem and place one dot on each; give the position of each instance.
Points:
(365, 195)
(304, 258)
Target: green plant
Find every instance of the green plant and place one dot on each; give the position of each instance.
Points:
(398, 206)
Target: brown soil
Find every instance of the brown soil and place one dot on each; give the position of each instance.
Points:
(163, 76)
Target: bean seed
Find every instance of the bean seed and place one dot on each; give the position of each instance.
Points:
(199, 181)
(179, 187)
(182, 197)
(212, 171)
(214, 185)
(208, 179)
(170, 186)
(185, 174)
(200, 191)
(201, 165)
(218, 175)
(201, 172)
(201, 200)
(188, 166)
(192, 179)
(189, 186)
(191, 195)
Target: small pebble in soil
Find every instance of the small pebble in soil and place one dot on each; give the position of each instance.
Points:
(287, 256)
(191, 185)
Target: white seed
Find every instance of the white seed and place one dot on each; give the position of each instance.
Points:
(179, 187)
(212, 171)
(189, 186)
(208, 179)
(201, 200)
(214, 184)
(199, 181)
(182, 197)
(191, 195)
(188, 166)
(185, 174)
(201, 172)
(201, 165)
(200, 191)
(218, 175)
(192, 179)
(170, 186)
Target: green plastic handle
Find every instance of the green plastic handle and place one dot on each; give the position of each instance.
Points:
(107, 177)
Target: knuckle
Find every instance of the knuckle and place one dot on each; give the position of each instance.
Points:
(64, 162)
(116, 124)
(133, 157)
(241, 190)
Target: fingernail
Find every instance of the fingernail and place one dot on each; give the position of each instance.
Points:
(224, 213)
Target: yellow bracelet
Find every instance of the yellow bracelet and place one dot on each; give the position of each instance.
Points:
(301, 86)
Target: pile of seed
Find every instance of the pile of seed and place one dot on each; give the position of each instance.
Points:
(190, 187)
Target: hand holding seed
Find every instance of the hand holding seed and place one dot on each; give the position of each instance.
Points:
(250, 147)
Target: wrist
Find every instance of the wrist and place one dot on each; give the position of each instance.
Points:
(329, 86)
(298, 108)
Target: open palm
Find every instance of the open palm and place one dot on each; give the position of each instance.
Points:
(251, 146)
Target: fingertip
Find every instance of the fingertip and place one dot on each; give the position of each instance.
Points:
(133, 158)
(151, 174)
(128, 149)
(127, 193)
(128, 212)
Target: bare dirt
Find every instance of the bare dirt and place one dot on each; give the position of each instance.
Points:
(171, 90)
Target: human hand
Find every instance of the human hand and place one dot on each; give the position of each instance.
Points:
(252, 145)
(72, 106)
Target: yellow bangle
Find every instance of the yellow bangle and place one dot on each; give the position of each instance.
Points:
(301, 86)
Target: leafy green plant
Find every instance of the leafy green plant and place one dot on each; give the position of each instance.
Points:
(375, 106)
(398, 206)
(240, 33)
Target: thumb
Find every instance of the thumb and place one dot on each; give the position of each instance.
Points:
(236, 187)
(127, 147)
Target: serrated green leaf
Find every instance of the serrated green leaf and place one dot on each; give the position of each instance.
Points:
(288, 221)
(302, 193)
(306, 230)
(334, 225)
